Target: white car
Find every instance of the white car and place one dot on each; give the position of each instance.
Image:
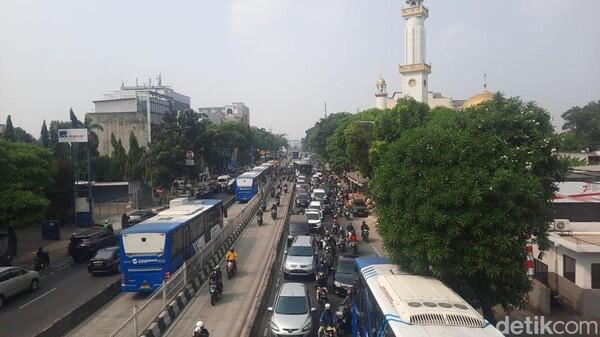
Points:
(316, 207)
(14, 280)
(314, 221)
(318, 194)
(223, 181)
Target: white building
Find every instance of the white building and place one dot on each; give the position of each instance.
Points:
(570, 268)
(233, 112)
(134, 108)
(415, 70)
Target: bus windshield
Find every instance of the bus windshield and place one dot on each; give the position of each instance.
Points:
(144, 243)
(244, 182)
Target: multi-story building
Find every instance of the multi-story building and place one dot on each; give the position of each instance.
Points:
(134, 109)
(232, 112)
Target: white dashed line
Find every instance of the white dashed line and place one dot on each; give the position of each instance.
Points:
(37, 298)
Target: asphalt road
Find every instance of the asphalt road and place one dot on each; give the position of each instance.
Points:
(229, 316)
(31, 312)
(106, 320)
(264, 318)
(64, 285)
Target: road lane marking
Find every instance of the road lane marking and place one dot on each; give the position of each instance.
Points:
(65, 266)
(37, 298)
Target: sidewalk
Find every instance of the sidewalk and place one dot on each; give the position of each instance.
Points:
(29, 239)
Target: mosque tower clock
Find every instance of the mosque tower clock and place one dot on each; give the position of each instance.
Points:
(415, 70)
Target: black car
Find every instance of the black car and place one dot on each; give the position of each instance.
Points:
(139, 216)
(302, 200)
(106, 260)
(84, 244)
(298, 226)
(326, 205)
(359, 208)
(344, 276)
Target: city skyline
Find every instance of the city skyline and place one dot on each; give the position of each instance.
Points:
(285, 58)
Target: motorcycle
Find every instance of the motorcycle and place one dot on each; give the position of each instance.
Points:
(322, 296)
(347, 214)
(215, 294)
(335, 229)
(274, 214)
(263, 206)
(277, 202)
(354, 248)
(365, 235)
(340, 320)
(330, 331)
(259, 219)
(285, 188)
(342, 244)
(39, 264)
(230, 269)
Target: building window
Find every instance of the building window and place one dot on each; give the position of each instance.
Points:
(595, 275)
(569, 268)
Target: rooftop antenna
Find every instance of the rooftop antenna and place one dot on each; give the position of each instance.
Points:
(159, 80)
(325, 109)
(149, 82)
(136, 82)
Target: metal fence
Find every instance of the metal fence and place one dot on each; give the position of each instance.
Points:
(143, 315)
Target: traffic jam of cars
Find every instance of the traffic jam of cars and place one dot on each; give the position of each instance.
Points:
(317, 261)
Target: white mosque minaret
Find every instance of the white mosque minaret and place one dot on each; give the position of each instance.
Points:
(414, 70)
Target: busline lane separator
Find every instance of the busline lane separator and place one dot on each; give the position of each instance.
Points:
(205, 283)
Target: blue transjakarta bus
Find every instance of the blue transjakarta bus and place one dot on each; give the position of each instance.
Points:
(394, 303)
(247, 185)
(154, 249)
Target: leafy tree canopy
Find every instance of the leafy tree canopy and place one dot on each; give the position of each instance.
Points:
(27, 172)
(459, 194)
(585, 125)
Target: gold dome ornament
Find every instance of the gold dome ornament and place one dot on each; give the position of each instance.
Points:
(480, 97)
(380, 81)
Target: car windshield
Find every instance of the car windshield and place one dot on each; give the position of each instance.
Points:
(104, 254)
(291, 305)
(345, 267)
(300, 251)
(320, 195)
(313, 216)
(359, 203)
(302, 196)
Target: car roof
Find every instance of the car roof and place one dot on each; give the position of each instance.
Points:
(315, 203)
(293, 289)
(302, 240)
(2, 269)
(318, 190)
(345, 259)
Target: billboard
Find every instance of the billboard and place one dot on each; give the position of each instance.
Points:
(72, 135)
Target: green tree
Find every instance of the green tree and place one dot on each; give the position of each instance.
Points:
(9, 131)
(27, 172)
(459, 195)
(316, 137)
(118, 159)
(584, 123)
(570, 142)
(44, 137)
(136, 160)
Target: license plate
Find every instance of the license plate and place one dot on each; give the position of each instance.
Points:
(145, 286)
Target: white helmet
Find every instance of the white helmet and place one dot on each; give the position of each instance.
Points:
(327, 306)
(199, 324)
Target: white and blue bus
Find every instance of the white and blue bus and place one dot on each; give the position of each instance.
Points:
(154, 249)
(247, 185)
(394, 303)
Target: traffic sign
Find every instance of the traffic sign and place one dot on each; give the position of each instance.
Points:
(189, 154)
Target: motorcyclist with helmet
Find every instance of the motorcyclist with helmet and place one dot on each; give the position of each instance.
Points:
(216, 277)
(232, 256)
(327, 319)
(200, 330)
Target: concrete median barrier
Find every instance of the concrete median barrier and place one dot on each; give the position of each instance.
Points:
(63, 325)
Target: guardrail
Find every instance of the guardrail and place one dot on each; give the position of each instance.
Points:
(144, 315)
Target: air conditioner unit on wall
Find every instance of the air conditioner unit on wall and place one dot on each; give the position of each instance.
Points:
(561, 225)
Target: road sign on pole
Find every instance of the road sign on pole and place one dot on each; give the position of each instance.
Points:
(189, 154)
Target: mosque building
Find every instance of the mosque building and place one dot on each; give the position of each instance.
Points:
(415, 70)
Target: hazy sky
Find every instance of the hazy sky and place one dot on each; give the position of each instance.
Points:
(284, 58)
